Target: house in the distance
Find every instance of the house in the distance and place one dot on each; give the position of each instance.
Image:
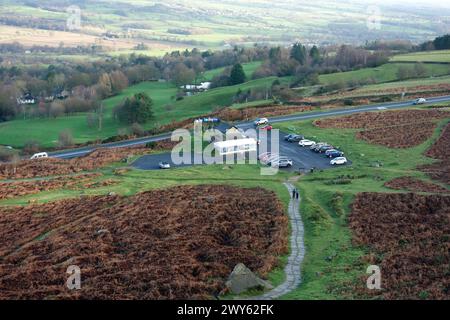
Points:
(26, 99)
(204, 86)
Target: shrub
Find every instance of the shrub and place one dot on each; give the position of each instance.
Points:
(337, 203)
(31, 146)
(65, 138)
(137, 129)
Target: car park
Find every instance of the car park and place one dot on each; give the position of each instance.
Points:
(164, 165)
(306, 143)
(261, 121)
(338, 161)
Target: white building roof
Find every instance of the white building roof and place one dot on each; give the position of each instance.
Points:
(232, 143)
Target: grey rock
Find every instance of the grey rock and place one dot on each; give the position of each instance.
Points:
(243, 279)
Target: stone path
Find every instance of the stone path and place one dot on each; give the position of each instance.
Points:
(292, 269)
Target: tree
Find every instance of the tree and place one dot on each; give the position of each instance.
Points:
(420, 70)
(104, 86)
(31, 146)
(65, 138)
(237, 74)
(298, 52)
(403, 73)
(119, 81)
(442, 43)
(314, 54)
(56, 109)
(137, 109)
(7, 103)
(182, 75)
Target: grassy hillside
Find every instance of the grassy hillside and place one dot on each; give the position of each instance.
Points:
(332, 263)
(430, 56)
(384, 73)
(46, 131)
(249, 68)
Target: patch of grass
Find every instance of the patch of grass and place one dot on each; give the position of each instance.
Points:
(428, 56)
(249, 69)
(384, 73)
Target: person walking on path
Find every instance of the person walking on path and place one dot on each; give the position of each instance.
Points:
(293, 193)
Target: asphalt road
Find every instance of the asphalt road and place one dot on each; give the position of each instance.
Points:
(73, 153)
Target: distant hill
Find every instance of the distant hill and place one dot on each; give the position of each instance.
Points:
(219, 23)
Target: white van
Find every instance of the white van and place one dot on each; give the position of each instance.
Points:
(39, 155)
(420, 101)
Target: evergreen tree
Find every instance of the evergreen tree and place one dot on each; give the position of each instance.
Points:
(137, 109)
(442, 43)
(298, 52)
(237, 74)
(314, 55)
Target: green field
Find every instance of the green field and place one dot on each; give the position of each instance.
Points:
(384, 73)
(326, 232)
(249, 68)
(382, 89)
(17, 132)
(429, 56)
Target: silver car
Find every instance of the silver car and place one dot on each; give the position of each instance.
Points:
(164, 165)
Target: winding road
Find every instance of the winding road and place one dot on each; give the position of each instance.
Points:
(73, 153)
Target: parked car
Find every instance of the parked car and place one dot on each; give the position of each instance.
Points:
(338, 161)
(324, 148)
(267, 127)
(281, 162)
(264, 155)
(334, 154)
(420, 101)
(261, 121)
(164, 165)
(330, 151)
(269, 157)
(39, 155)
(272, 158)
(293, 137)
(317, 146)
(306, 143)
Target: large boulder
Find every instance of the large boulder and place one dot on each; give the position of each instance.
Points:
(243, 279)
